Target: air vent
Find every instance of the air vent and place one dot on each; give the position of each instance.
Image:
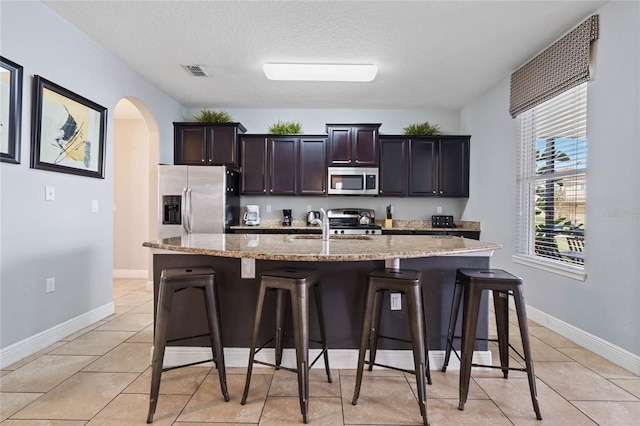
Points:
(196, 70)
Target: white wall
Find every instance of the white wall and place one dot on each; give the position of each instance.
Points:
(131, 196)
(607, 304)
(61, 238)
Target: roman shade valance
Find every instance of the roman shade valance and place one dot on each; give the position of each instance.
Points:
(563, 65)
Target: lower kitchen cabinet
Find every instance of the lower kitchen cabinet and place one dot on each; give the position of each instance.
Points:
(472, 235)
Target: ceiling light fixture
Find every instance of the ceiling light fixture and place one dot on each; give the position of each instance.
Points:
(320, 72)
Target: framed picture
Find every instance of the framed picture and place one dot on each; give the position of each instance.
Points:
(10, 110)
(68, 131)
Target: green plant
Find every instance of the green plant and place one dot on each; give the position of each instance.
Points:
(285, 128)
(425, 128)
(208, 116)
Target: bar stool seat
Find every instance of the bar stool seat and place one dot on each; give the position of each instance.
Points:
(473, 282)
(295, 281)
(406, 281)
(173, 280)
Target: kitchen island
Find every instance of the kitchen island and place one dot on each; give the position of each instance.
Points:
(343, 263)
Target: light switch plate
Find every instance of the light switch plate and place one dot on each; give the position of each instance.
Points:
(94, 206)
(49, 193)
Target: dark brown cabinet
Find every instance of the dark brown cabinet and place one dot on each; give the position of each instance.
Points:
(439, 166)
(353, 144)
(253, 157)
(472, 235)
(283, 165)
(203, 144)
(393, 166)
(424, 166)
(312, 166)
(423, 169)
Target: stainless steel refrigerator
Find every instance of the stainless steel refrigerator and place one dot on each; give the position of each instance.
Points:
(197, 199)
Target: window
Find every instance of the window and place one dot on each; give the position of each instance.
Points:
(551, 181)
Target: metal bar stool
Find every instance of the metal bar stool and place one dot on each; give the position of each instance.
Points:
(297, 282)
(473, 282)
(380, 281)
(172, 281)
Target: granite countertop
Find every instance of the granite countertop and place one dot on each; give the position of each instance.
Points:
(310, 247)
(404, 225)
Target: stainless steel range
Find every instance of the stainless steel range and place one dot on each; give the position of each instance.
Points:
(353, 221)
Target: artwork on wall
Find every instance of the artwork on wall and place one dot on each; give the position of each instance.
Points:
(68, 131)
(10, 110)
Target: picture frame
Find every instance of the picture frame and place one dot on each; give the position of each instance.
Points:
(10, 110)
(68, 131)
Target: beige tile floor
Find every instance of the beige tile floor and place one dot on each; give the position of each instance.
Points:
(100, 376)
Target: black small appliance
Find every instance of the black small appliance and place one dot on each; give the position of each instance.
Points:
(286, 221)
(442, 221)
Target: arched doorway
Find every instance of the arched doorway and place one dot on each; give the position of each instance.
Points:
(136, 154)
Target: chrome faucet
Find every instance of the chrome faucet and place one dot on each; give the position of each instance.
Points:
(324, 224)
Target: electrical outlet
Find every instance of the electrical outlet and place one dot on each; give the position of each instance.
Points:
(439, 210)
(51, 285)
(94, 206)
(308, 208)
(396, 301)
(268, 208)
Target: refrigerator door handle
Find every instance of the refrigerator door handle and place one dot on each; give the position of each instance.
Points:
(184, 212)
(189, 214)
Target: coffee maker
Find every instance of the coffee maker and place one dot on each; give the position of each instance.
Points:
(286, 221)
(252, 215)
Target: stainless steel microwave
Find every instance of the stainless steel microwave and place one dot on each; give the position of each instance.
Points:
(352, 180)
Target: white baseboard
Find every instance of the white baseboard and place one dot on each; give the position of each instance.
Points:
(338, 358)
(149, 285)
(608, 350)
(37, 342)
(130, 273)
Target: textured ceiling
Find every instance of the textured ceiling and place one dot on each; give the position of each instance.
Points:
(430, 54)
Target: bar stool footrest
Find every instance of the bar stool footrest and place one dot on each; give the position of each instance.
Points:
(187, 365)
(377, 364)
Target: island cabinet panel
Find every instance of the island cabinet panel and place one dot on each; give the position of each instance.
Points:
(206, 144)
(312, 166)
(353, 144)
(253, 154)
(343, 291)
(393, 166)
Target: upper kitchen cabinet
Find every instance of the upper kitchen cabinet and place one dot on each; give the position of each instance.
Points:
(312, 165)
(253, 157)
(353, 144)
(283, 165)
(439, 166)
(394, 151)
(206, 144)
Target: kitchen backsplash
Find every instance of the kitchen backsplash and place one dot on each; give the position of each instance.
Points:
(404, 208)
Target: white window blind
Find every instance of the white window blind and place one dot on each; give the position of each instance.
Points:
(551, 179)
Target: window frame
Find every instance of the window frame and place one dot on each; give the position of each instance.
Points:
(532, 124)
